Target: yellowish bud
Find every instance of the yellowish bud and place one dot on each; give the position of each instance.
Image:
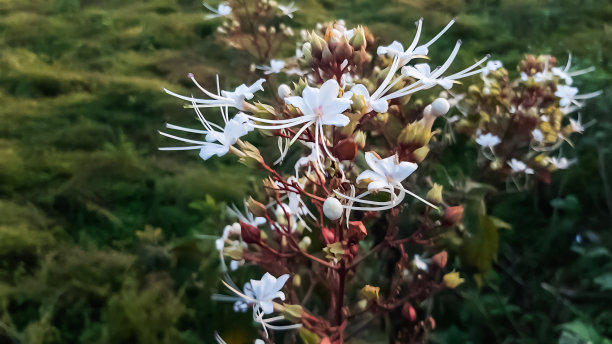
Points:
(452, 280)
(370, 293)
(434, 195)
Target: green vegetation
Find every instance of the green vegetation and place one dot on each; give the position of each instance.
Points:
(99, 230)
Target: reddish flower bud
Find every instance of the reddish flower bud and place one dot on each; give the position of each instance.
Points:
(440, 259)
(356, 231)
(408, 312)
(328, 235)
(432, 323)
(346, 149)
(453, 215)
(250, 234)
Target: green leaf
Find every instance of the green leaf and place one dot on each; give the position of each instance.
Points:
(604, 281)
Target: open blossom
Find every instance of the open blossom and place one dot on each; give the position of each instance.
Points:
(396, 49)
(288, 10)
(569, 95)
(519, 166)
(218, 140)
(576, 125)
(275, 67)
(561, 163)
(262, 293)
(420, 263)
(537, 134)
(488, 140)
(491, 67)
(233, 99)
(223, 10)
(385, 173)
(378, 105)
(565, 73)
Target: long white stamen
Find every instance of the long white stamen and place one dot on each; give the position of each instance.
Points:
(417, 197)
(466, 70)
(569, 63)
(417, 35)
(324, 142)
(176, 127)
(439, 34)
(388, 78)
(299, 132)
(179, 148)
(181, 138)
(448, 61)
(582, 71)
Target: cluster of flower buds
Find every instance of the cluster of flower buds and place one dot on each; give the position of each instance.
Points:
(256, 26)
(334, 52)
(520, 124)
(364, 134)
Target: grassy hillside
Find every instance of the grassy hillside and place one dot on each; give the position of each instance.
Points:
(98, 228)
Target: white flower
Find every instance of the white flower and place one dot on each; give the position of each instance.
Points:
(385, 173)
(319, 107)
(569, 95)
(561, 163)
(396, 49)
(247, 217)
(428, 78)
(226, 98)
(491, 67)
(218, 140)
(537, 134)
(378, 105)
(233, 229)
(519, 166)
(488, 140)
(576, 125)
(339, 31)
(275, 67)
(566, 75)
(262, 293)
(288, 9)
(223, 10)
(420, 263)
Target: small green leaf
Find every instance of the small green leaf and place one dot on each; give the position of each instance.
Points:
(308, 337)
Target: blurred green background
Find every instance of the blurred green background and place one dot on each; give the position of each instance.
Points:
(98, 229)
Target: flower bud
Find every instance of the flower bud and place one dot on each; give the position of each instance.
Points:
(358, 40)
(440, 259)
(408, 312)
(358, 103)
(256, 208)
(328, 235)
(297, 280)
(415, 134)
(370, 293)
(356, 231)
(440, 107)
(346, 149)
(326, 55)
(434, 195)
(305, 243)
(284, 91)
(250, 234)
(420, 154)
(452, 280)
(332, 208)
(343, 51)
(453, 215)
(360, 139)
(316, 44)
